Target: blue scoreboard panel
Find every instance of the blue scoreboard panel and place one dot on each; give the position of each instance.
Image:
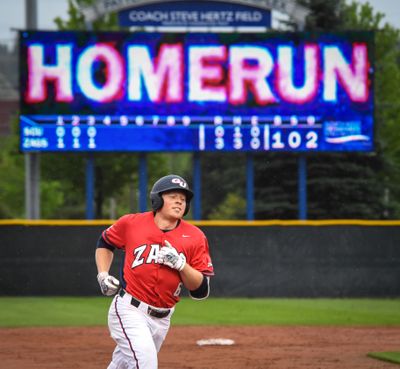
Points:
(116, 91)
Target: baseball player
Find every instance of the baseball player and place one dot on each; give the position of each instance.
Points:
(162, 252)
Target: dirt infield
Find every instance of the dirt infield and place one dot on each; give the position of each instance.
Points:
(255, 348)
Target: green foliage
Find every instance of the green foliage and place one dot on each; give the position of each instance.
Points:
(12, 193)
(62, 176)
(116, 174)
(276, 186)
(222, 174)
(387, 99)
(347, 186)
(233, 207)
(92, 311)
(76, 20)
(344, 185)
(324, 14)
(339, 185)
(12, 180)
(362, 17)
(52, 198)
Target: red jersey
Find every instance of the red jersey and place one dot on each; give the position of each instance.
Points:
(140, 238)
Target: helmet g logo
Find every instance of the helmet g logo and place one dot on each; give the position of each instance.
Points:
(180, 182)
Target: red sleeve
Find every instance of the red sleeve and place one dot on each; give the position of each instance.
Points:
(201, 259)
(115, 234)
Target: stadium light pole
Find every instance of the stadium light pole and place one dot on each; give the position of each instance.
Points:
(302, 172)
(90, 169)
(197, 185)
(142, 182)
(32, 160)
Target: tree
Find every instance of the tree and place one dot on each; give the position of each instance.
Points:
(12, 184)
(77, 20)
(387, 100)
(276, 186)
(223, 185)
(343, 185)
(324, 14)
(12, 196)
(116, 174)
(350, 185)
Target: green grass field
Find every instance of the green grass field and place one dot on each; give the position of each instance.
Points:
(391, 357)
(92, 311)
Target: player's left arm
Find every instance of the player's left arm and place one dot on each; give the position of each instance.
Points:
(201, 262)
(168, 255)
(191, 278)
(196, 282)
(203, 291)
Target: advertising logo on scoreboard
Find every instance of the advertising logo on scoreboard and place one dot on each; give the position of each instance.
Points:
(117, 91)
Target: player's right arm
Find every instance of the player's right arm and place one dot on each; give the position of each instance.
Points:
(111, 238)
(104, 258)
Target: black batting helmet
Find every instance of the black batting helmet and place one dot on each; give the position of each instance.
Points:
(168, 183)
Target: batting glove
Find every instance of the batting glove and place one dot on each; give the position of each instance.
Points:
(108, 284)
(170, 257)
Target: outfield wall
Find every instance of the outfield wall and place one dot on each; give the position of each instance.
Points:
(251, 259)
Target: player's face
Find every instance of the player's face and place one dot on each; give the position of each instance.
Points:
(174, 204)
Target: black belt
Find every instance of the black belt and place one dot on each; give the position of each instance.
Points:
(151, 311)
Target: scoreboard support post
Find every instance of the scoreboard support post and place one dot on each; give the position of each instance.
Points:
(250, 186)
(302, 187)
(142, 182)
(90, 181)
(32, 185)
(197, 186)
(32, 160)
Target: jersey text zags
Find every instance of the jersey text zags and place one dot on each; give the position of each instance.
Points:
(151, 257)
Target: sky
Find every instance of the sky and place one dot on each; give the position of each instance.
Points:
(12, 15)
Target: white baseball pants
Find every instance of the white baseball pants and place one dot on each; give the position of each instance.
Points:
(138, 335)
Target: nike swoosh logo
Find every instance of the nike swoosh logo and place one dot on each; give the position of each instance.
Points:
(185, 235)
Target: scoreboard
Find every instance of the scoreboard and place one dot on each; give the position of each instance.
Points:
(174, 92)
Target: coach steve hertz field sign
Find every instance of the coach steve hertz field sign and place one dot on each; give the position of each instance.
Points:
(220, 18)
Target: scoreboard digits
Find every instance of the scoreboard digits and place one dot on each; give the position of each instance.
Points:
(183, 133)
